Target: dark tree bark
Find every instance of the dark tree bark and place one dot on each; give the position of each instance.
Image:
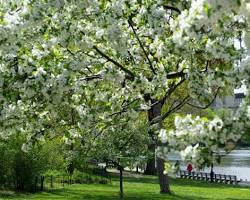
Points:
(164, 181)
(35, 186)
(121, 181)
(212, 173)
(150, 167)
(71, 166)
(153, 113)
(51, 181)
(42, 183)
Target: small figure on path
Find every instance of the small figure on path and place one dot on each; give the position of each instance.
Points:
(189, 168)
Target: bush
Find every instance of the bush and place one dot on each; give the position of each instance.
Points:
(81, 177)
(22, 171)
(19, 170)
(25, 172)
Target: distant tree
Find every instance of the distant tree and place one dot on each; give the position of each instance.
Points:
(20, 170)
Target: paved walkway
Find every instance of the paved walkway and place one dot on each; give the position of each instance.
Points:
(244, 183)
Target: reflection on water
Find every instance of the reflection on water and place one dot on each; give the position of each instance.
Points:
(236, 163)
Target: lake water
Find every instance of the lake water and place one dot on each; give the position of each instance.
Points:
(236, 163)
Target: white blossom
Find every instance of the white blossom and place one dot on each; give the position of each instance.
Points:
(163, 135)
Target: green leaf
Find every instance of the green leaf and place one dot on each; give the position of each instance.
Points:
(239, 2)
(207, 10)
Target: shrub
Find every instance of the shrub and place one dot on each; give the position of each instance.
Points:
(81, 177)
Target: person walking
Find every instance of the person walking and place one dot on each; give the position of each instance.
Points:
(189, 168)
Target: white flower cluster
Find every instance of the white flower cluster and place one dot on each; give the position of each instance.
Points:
(208, 15)
(48, 60)
(198, 138)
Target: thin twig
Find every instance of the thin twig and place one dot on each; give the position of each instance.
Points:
(170, 91)
(92, 77)
(209, 104)
(175, 108)
(130, 22)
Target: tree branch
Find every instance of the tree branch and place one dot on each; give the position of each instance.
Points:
(73, 54)
(95, 137)
(130, 22)
(127, 71)
(89, 78)
(124, 108)
(206, 67)
(167, 7)
(126, 143)
(168, 93)
(179, 105)
(181, 73)
(173, 75)
(209, 104)
(171, 90)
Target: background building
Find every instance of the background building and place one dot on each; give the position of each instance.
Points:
(231, 102)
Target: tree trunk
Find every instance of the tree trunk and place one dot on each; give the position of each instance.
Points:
(71, 166)
(212, 173)
(153, 113)
(150, 167)
(137, 169)
(51, 181)
(35, 186)
(121, 182)
(163, 179)
(42, 183)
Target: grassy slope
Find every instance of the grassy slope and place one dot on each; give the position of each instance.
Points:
(145, 188)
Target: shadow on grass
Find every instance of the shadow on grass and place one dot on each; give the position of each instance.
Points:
(77, 192)
(12, 195)
(74, 195)
(187, 198)
(69, 195)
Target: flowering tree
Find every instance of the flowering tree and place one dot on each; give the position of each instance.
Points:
(77, 67)
(198, 138)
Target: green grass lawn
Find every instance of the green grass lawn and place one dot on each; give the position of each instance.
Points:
(139, 189)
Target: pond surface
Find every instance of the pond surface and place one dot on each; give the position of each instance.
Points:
(236, 163)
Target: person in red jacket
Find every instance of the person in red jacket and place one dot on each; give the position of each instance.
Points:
(189, 168)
